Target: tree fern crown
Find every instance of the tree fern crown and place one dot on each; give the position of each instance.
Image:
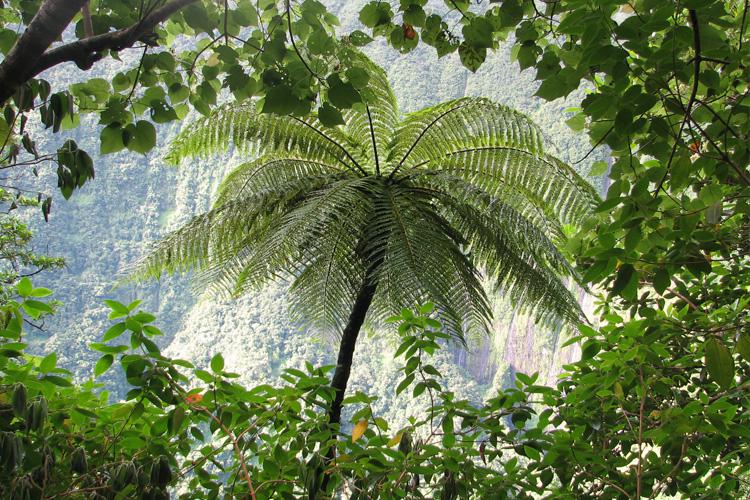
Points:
(430, 206)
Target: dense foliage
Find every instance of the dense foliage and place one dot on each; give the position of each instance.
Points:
(210, 437)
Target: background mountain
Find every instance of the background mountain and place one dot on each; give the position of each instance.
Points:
(134, 200)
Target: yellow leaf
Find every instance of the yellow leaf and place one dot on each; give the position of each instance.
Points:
(395, 439)
(213, 60)
(619, 393)
(359, 430)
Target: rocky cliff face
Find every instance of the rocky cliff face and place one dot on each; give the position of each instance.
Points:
(134, 200)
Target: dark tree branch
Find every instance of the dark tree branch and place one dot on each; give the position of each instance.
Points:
(693, 93)
(46, 27)
(49, 23)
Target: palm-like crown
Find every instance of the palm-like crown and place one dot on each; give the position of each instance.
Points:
(418, 205)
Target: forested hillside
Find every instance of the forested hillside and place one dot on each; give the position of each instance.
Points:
(111, 223)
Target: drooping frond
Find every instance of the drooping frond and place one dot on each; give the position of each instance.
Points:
(270, 172)
(421, 259)
(453, 190)
(288, 245)
(515, 254)
(524, 235)
(431, 133)
(217, 235)
(374, 124)
(539, 177)
(323, 293)
(534, 209)
(257, 133)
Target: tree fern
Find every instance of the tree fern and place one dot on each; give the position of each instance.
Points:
(383, 212)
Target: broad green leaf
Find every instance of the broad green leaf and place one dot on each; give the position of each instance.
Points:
(471, 57)
(24, 287)
(661, 280)
(103, 364)
(48, 363)
(719, 362)
(114, 331)
(342, 94)
(625, 275)
(330, 116)
(743, 346)
(143, 136)
(111, 139)
(217, 363)
(280, 100)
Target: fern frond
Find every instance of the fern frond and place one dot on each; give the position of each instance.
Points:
(513, 253)
(463, 123)
(254, 133)
(283, 250)
(379, 116)
(270, 172)
(539, 177)
(217, 235)
(454, 188)
(422, 260)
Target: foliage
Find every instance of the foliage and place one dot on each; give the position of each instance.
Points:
(416, 207)
(17, 257)
(194, 53)
(668, 95)
(208, 436)
(658, 402)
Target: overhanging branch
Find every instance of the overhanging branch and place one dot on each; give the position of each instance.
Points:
(84, 53)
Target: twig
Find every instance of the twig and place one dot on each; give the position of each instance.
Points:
(88, 26)
(693, 94)
(641, 411)
(294, 44)
(236, 446)
(692, 304)
(137, 75)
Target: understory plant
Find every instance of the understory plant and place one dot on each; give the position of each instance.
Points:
(197, 433)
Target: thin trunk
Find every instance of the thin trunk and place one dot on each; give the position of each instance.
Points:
(344, 364)
(346, 348)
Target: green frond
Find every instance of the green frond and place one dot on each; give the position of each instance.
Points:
(465, 187)
(539, 177)
(287, 246)
(217, 235)
(514, 254)
(270, 172)
(534, 209)
(322, 294)
(504, 220)
(380, 112)
(422, 260)
(254, 133)
(460, 124)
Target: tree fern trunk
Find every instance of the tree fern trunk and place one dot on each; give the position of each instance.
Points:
(344, 366)
(346, 348)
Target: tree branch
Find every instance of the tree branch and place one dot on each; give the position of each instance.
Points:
(47, 25)
(693, 93)
(14, 72)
